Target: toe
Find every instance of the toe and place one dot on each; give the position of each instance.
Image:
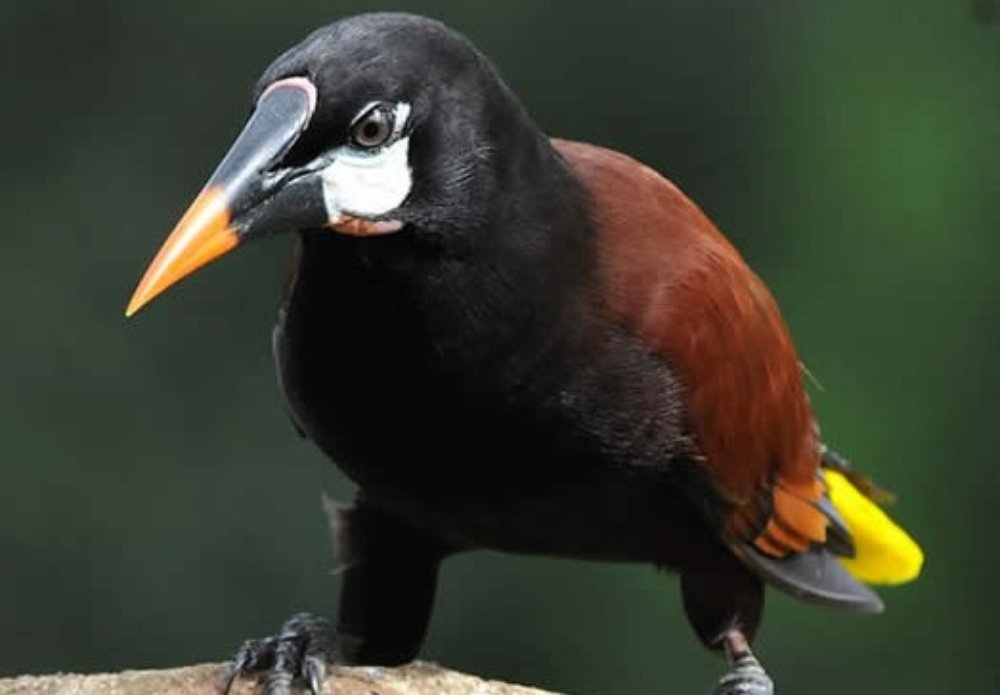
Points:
(253, 656)
(299, 653)
(288, 653)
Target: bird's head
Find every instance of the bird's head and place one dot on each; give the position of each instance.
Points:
(374, 125)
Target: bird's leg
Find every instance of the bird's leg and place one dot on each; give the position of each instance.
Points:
(746, 675)
(385, 605)
(724, 603)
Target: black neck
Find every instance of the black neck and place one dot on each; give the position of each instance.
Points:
(490, 294)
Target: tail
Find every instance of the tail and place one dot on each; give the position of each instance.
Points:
(864, 546)
(883, 552)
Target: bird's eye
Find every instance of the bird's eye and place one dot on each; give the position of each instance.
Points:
(373, 127)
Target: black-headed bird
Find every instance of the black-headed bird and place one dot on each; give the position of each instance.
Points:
(519, 343)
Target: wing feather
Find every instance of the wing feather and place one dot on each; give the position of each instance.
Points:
(676, 281)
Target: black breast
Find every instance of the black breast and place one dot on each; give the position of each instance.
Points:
(452, 397)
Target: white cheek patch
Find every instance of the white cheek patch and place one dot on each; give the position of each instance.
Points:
(367, 185)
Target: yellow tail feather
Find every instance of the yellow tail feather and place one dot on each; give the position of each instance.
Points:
(884, 552)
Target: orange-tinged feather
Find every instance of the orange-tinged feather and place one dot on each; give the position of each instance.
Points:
(766, 544)
(784, 535)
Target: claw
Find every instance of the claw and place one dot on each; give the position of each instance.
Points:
(314, 672)
(229, 677)
(253, 655)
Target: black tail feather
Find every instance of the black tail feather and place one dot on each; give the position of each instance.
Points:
(815, 576)
(838, 538)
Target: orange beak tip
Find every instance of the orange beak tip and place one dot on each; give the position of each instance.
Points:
(202, 235)
(132, 308)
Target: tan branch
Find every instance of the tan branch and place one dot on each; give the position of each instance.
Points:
(415, 679)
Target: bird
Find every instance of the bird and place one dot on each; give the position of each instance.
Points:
(520, 343)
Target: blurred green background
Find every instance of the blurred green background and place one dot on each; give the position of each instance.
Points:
(156, 507)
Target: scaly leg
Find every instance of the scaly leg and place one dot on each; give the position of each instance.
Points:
(724, 602)
(746, 675)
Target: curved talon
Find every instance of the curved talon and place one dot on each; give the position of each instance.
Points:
(253, 655)
(314, 673)
(229, 677)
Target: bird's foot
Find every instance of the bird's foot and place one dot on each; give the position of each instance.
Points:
(747, 677)
(300, 652)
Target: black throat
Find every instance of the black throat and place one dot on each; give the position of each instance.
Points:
(484, 298)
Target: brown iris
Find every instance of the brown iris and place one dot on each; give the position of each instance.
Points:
(373, 128)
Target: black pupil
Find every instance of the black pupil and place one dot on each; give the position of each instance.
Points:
(372, 129)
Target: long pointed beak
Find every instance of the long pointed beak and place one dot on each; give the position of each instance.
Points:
(202, 235)
(219, 217)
